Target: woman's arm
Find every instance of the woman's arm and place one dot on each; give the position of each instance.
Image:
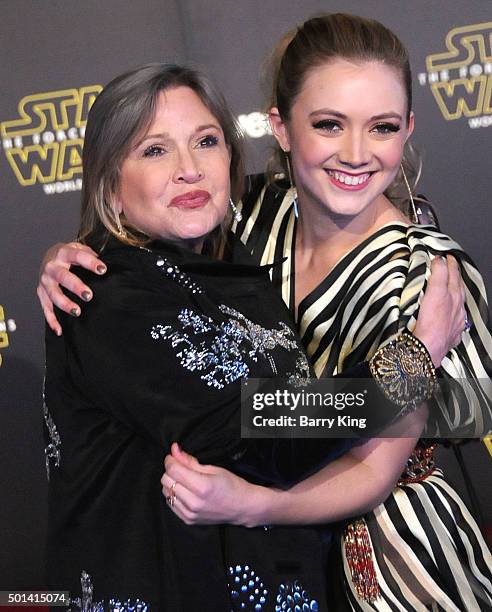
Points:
(441, 306)
(349, 486)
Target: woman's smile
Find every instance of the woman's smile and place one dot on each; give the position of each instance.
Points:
(350, 182)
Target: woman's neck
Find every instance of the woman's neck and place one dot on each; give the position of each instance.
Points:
(323, 238)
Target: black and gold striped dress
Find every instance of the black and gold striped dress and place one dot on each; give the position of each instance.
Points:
(424, 548)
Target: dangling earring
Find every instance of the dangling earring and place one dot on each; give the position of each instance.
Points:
(407, 185)
(237, 213)
(121, 231)
(291, 180)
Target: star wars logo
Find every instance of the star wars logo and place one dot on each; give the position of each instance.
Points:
(460, 78)
(44, 144)
(6, 327)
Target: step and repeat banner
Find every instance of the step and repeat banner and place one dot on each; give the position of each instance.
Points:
(56, 56)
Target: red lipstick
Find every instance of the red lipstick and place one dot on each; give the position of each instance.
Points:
(191, 199)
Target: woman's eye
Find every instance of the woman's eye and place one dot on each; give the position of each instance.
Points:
(208, 141)
(327, 125)
(154, 151)
(386, 128)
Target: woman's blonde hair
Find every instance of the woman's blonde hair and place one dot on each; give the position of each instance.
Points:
(120, 114)
(329, 37)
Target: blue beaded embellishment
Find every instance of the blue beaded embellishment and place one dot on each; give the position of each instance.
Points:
(293, 598)
(247, 590)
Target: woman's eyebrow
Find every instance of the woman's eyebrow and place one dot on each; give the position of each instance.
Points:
(165, 135)
(159, 136)
(207, 126)
(339, 115)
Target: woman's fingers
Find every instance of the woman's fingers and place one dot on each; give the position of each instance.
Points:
(441, 318)
(199, 497)
(195, 481)
(76, 254)
(55, 274)
(56, 268)
(454, 274)
(184, 457)
(456, 288)
(50, 283)
(438, 280)
(183, 499)
(179, 499)
(49, 313)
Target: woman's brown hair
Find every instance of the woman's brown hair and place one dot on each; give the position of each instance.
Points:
(327, 38)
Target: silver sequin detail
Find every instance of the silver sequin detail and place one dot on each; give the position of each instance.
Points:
(86, 603)
(222, 355)
(52, 451)
(173, 272)
(301, 375)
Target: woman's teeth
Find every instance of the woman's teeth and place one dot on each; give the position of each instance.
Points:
(349, 179)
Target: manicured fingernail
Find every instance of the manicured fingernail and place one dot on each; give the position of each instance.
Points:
(75, 312)
(86, 295)
(100, 269)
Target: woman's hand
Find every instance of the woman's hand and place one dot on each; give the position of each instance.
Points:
(442, 313)
(206, 494)
(55, 271)
(349, 486)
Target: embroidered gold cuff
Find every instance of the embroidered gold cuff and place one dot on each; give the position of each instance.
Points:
(404, 371)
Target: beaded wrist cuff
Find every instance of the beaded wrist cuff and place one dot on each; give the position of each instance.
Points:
(404, 371)
(358, 552)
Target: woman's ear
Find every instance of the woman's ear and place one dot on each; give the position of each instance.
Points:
(279, 129)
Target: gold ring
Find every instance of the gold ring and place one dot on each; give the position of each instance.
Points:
(171, 498)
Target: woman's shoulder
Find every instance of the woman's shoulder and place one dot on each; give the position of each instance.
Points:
(427, 232)
(426, 242)
(434, 240)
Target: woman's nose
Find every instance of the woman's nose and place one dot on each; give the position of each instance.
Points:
(354, 151)
(187, 169)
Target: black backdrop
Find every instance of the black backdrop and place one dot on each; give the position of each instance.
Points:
(53, 54)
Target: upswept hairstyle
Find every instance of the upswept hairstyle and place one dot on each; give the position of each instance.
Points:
(330, 37)
(121, 113)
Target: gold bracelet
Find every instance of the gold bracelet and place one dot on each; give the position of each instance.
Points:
(404, 371)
